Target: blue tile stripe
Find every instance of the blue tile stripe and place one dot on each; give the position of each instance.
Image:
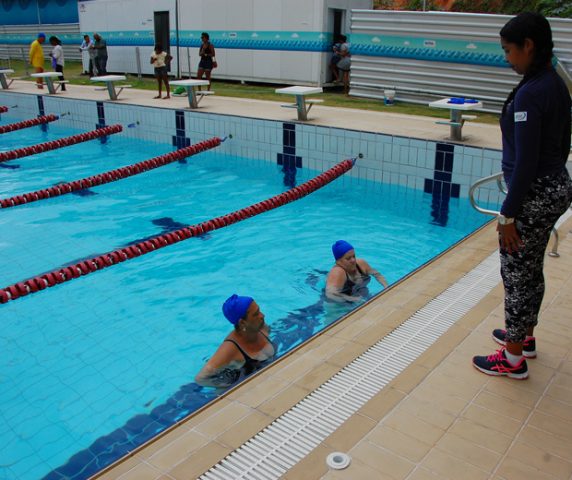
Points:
(179, 139)
(41, 108)
(288, 158)
(101, 120)
(136, 431)
(100, 115)
(42, 112)
(440, 186)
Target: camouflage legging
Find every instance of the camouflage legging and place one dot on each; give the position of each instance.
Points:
(521, 271)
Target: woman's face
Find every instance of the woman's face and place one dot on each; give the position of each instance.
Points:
(348, 261)
(254, 319)
(519, 58)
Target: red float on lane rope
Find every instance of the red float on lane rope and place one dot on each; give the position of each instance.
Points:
(112, 175)
(26, 123)
(62, 142)
(107, 259)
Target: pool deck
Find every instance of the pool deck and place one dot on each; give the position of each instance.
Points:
(440, 418)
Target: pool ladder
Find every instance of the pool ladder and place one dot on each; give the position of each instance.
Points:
(498, 177)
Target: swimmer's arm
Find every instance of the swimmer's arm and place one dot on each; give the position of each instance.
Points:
(380, 278)
(335, 295)
(335, 283)
(366, 267)
(222, 369)
(217, 377)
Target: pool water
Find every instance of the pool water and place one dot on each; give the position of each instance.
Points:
(96, 366)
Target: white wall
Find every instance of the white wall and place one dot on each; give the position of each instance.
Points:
(280, 66)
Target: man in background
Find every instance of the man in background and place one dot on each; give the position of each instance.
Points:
(100, 48)
(36, 57)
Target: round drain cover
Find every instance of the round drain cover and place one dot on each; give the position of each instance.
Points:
(338, 460)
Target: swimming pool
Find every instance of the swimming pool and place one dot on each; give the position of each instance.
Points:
(113, 347)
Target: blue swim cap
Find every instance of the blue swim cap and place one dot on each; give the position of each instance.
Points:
(340, 248)
(41, 35)
(235, 308)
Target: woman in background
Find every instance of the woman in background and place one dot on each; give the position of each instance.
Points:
(160, 60)
(58, 58)
(207, 62)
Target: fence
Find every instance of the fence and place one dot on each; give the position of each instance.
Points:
(426, 55)
(11, 46)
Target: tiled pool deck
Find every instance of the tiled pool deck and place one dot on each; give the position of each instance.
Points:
(440, 418)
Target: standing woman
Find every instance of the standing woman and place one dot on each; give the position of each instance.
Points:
(207, 62)
(535, 126)
(345, 63)
(58, 58)
(160, 60)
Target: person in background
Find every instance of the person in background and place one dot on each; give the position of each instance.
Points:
(36, 56)
(207, 62)
(57, 55)
(350, 276)
(87, 55)
(160, 61)
(535, 125)
(246, 349)
(100, 54)
(336, 57)
(345, 63)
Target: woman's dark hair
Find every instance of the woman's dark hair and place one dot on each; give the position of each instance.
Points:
(55, 40)
(159, 47)
(535, 27)
(205, 35)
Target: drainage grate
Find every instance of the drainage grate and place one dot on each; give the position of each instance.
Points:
(292, 436)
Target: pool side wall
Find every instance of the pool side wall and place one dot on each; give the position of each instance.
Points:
(438, 168)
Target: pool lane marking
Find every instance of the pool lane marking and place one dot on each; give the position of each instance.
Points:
(60, 143)
(61, 275)
(12, 127)
(110, 175)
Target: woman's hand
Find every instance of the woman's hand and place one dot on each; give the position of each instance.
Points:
(509, 238)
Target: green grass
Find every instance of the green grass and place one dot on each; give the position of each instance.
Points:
(333, 97)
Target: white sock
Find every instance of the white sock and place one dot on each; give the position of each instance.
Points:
(512, 359)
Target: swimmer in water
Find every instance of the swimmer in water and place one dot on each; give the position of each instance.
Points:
(246, 349)
(350, 275)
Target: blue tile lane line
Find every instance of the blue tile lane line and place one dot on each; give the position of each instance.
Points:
(440, 186)
(101, 120)
(179, 139)
(288, 159)
(136, 431)
(42, 112)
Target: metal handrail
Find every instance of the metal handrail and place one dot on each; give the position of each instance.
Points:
(495, 177)
(498, 177)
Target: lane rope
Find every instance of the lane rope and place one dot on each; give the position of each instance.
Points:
(111, 175)
(3, 109)
(62, 142)
(65, 274)
(32, 122)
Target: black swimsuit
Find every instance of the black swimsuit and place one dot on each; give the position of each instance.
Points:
(348, 288)
(251, 364)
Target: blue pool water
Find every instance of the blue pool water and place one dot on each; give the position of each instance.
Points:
(94, 367)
